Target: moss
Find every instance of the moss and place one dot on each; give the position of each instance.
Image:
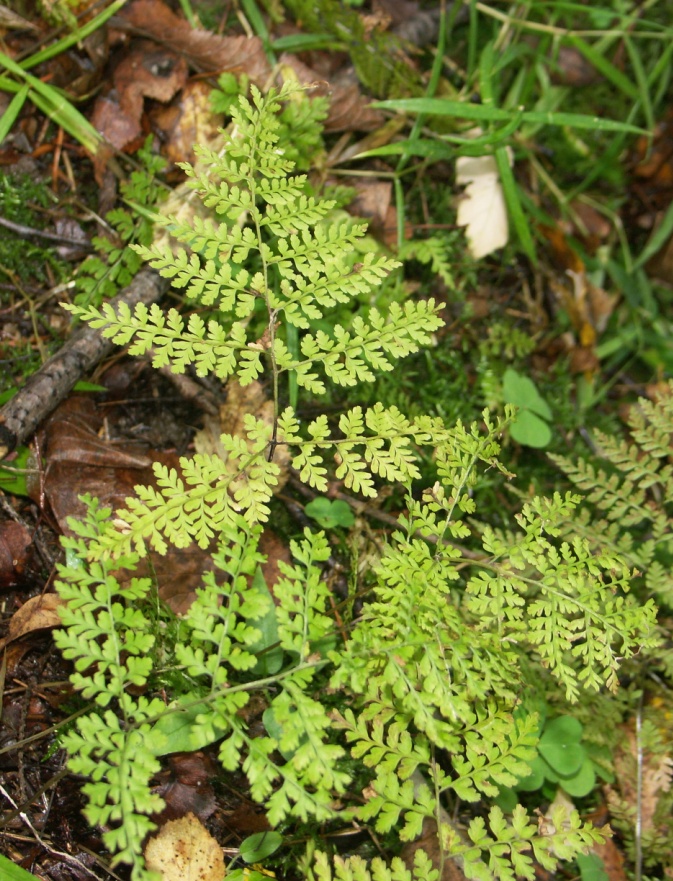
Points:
(23, 259)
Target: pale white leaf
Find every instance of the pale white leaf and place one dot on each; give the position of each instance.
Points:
(481, 209)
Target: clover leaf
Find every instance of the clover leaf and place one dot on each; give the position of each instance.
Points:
(530, 427)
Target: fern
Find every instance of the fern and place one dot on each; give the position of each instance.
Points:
(305, 271)
(434, 251)
(108, 637)
(355, 869)
(427, 681)
(628, 507)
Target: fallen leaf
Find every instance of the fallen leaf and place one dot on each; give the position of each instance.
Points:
(275, 550)
(187, 121)
(656, 778)
(349, 109)
(612, 858)
(185, 786)
(15, 542)
(201, 49)
(481, 209)
(185, 851)
(372, 201)
(79, 461)
(37, 613)
(148, 71)
(179, 574)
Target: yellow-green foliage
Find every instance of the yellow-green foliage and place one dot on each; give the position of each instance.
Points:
(427, 680)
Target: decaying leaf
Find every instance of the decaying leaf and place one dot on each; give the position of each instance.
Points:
(481, 209)
(349, 109)
(185, 851)
(15, 543)
(37, 613)
(203, 50)
(656, 779)
(187, 121)
(77, 460)
(148, 71)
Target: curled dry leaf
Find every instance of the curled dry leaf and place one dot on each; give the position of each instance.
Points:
(184, 850)
(148, 71)
(37, 613)
(481, 209)
(203, 50)
(349, 109)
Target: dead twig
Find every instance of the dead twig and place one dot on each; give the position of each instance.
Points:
(54, 380)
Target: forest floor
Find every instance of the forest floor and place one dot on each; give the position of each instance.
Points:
(554, 269)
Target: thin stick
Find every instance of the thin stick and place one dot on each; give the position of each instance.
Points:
(54, 380)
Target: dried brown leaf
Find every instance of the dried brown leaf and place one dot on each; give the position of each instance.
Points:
(148, 71)
(186, 786)
(15, 542)
(349, 109)
(37, 613)
(372, 201)
(202, 49)
(187, 121)
(657, 776)
(185, 851)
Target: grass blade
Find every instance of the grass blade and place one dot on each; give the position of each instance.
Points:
(306, 42)
(79, 34)
(55, 104)
(643, 89)
(462, 110)
(11, 872)
(9, 116)
(515, 209)
(63, 113)
(611, 73)
(658, 238)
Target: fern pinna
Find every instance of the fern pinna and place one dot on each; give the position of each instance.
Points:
(427, 680)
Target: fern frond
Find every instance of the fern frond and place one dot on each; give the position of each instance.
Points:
(209, 348)
(509, 848)
(569, 602)
(110, 640)
(356, 869)
(352, 356)
(634, 496)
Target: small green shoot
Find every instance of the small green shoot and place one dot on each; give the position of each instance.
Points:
(330, 513)
(562, 759)
(530, 428)
(259, 846)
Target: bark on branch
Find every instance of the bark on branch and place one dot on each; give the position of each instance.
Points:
(54, 380)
